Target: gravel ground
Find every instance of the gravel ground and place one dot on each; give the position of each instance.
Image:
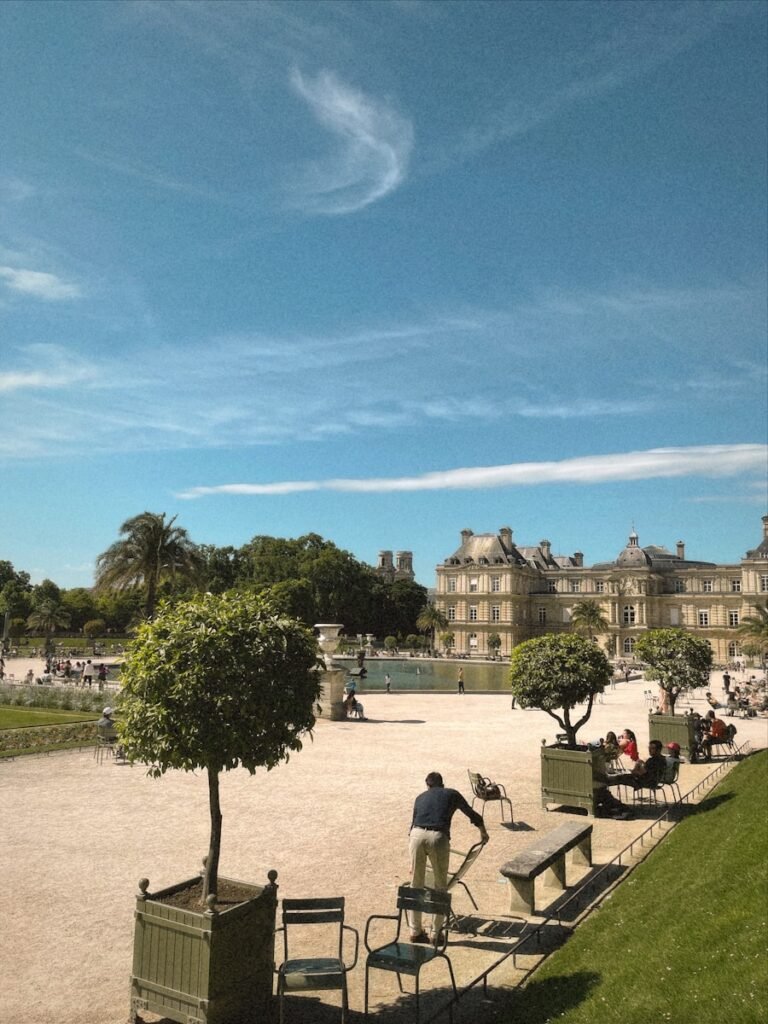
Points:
(77, 836)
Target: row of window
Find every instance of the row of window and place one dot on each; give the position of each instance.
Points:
(628, 615)
(574, 586)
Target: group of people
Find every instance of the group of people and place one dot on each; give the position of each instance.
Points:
(81, 673)
(647, 773)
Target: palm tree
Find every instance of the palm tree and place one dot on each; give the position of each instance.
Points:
(47, 618)
(430, 619)
(152, 550)
(754, 629)
(587, 617)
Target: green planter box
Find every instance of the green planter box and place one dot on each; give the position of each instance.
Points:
(205, 967)
(674, 729)
(568, 776)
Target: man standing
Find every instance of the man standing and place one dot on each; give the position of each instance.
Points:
(727, 682)
(430, 839)
(460, 680)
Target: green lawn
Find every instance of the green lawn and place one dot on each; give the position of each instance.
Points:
(19, 718)
(684, 938)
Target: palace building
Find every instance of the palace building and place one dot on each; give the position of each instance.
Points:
(491, 584)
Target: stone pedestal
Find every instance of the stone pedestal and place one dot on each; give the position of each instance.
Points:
(333, 679)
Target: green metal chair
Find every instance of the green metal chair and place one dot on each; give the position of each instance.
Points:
(489, 792)
(315, 973)
(409, 957)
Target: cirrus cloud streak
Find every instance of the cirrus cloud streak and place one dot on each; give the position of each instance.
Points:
(703, 461)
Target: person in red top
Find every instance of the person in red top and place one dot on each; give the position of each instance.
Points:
(718, 733)
(628, 745)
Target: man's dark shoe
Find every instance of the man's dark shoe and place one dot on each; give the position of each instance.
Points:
(420, 937)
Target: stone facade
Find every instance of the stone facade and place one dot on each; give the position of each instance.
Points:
(490, 585)
(398, 568)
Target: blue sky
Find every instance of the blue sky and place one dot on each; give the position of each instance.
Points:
(382, 271)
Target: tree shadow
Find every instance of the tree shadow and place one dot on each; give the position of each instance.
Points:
(709, 803)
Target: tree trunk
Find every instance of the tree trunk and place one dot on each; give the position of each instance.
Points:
(211, 877)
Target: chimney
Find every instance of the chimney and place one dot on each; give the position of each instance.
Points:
(465, 535)
(681, 550)
(578, 557)
(506, 537)
(546, 548)
(765, 527)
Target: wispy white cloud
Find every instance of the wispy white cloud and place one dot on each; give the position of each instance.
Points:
(656, 463)
(15, 190)
(47, 368)
(374, 144)
(653, 36)
(39, 285)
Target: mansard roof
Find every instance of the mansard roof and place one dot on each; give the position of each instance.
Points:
(761, 551)
(485, 549)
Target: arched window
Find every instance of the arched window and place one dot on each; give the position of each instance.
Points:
(629, 615)
(629, 645)
(734, 650)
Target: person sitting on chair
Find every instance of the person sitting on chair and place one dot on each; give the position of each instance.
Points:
(645, 774)
(717, 734)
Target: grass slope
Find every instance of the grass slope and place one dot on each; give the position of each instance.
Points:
(684, 938)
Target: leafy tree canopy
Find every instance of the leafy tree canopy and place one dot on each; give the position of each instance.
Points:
(678, 660)
(217, 682)
(555, 673)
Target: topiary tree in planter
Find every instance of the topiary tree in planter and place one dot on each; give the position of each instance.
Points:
(557, 672)
(214, 683)
(677, 660)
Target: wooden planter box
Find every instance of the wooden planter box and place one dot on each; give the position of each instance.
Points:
(568, 776)
(205, 967)
(674, 729)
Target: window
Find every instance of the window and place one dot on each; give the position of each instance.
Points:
(495, 613)
(472, 638)
(575, 586)
(566, 614)
(495, 584)
(679, 586)
(629, 645)
(542, 616)
(736, 586)
(452, 584)
(473, 613)
(733, 618)
(764, 584)
(473, 584)
(674, 616)
(706, 586)
(629, 615)
(451, 612)
(599, 587)
(734, 650)
(552, 586)
(703, 618)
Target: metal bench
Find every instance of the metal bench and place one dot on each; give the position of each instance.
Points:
(547, 853)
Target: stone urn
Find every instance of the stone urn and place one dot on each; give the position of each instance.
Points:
(333, 678)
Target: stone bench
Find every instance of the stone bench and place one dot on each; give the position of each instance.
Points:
(547, 853)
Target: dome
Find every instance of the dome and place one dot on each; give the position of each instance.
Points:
(633, 556)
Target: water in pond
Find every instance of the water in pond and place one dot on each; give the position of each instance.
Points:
(424, 674)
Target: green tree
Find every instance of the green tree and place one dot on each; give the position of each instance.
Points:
(412, 642)
(494, 643)
(152, 550)
(95, 627)
(587, 618)
(81, 605)
(754, 630)
(430, 619)
(678, 660)
(46, 619)
(447, 640)
(214, 683)
(16, 598)
(390, 644)
(555, 673)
